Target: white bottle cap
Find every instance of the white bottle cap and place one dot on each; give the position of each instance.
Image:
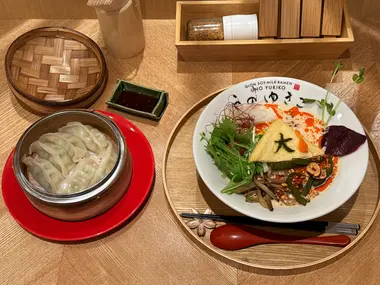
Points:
(240, 27)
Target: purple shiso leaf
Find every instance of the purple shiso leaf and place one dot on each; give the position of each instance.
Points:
(340, 141)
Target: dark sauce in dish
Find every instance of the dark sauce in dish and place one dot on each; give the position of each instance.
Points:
(137, 101)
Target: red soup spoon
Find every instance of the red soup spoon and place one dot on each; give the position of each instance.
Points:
(233, 237)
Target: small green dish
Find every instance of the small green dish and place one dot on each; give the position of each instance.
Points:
(139, 100)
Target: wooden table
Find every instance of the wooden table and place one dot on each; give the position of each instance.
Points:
(153, 248)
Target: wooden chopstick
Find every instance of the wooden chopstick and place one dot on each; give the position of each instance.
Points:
(314, 226)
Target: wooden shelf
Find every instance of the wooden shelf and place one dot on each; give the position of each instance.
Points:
(262, 49)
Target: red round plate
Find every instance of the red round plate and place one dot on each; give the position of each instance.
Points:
(45, 227)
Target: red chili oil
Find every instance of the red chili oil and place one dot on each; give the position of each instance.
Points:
(302, 170)
(137, 101)
(261, 128)
(274, 107)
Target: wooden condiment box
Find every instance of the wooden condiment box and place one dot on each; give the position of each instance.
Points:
(261, 49)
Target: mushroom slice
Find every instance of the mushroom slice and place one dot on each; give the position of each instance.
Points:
(265, 188)
(251, 197)
(268, 200)
(313, 169)
(261, 200)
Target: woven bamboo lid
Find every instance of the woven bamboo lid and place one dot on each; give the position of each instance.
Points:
(54, 68)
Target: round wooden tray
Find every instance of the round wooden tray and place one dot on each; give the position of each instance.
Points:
(185, 190)
(55, 68)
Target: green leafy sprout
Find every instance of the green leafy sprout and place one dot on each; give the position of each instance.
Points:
(328, 107)
(230, 149)
(359, 78)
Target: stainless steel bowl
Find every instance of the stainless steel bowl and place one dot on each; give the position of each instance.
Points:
(92, 201)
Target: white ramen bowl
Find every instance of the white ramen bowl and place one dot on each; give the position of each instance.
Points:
(351, 168)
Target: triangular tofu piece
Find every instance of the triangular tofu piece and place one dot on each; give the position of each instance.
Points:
(281, 143)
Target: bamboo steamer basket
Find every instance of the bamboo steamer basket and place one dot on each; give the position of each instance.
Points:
(53, 68)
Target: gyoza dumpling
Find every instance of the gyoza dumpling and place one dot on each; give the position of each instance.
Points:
(79, 179)
(106, 165)
(74, 147)
(98, 135)
(44, 173)
(55, 154)
(79, 130)
(80, 147)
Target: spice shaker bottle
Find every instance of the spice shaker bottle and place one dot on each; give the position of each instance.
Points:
(235, 27)
(122, 28)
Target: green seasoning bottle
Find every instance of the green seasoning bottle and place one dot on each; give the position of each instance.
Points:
(235, 27)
